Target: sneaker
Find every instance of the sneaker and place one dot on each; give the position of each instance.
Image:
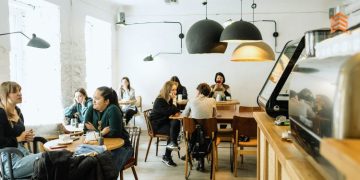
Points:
(172, 146)
(168, 161)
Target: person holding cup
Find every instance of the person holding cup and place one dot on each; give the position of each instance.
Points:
(127, 93)
(181, 90)
(105, 116)
(219, 89)
(12, 131)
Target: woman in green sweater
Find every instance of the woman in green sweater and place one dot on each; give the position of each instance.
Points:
(106, 117)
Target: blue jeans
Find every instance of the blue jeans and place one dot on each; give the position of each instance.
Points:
(22, 167)
(121, 156)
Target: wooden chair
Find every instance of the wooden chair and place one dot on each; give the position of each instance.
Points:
(33, 147)
(138, 105)
(134, 135)
(152, 134)
(210, 127)
(243, 126)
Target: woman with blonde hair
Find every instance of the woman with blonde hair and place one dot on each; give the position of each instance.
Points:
(12, 131)
(161, 123)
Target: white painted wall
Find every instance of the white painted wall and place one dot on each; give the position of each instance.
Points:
(72, 17)
(245, 78)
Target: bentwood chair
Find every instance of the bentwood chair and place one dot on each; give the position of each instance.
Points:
(138, 105)
(152, 134)
(243, 127)
(210, 128)
(34, 147)
(134, 136)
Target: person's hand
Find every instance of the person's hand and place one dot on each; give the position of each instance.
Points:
(89, 126)
(75, 101)
(22, 136)
(29, 136)
(173, 95)
(105, 131)
(177, 114)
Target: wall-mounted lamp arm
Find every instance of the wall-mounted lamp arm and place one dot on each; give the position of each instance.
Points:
(14, 33)
(275, 34)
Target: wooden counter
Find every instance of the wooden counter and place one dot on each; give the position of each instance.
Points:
(343, 154)
(278, 159)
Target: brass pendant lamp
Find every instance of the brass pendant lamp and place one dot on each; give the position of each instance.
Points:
(204, 37)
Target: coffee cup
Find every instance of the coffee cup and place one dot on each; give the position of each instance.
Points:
(179, 97)
(64, 137)
(228, 98)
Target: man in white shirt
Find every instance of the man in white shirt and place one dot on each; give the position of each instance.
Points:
(202, 107)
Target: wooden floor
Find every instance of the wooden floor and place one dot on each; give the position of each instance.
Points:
(155, 169)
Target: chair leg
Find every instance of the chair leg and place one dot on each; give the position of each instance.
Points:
(157, 145)
(235, 161)
(134, 120)
(134, 172)
(242, 156)
(121, 175)
(148, 148)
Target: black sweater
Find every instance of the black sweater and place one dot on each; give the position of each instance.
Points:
(8, 134)
(161, 112)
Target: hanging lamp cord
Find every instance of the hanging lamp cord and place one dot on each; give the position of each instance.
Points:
(253, 6)
(241, 10)
(205, 4)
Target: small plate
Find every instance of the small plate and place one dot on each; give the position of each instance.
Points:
(65, 142)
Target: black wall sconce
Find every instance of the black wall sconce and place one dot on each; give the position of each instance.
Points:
(34, 41)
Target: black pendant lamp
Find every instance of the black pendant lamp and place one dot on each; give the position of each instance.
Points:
(204, 37)
(241, 31)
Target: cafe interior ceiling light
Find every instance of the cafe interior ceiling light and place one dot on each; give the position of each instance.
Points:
(240, 31)
(204, 36)
(34, 41)
(253, 51)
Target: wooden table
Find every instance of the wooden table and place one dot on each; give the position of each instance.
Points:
(110, 143)
(127, 102)
(227, 116)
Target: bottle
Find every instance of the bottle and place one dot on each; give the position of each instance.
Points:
(101, 139)
(218, 97)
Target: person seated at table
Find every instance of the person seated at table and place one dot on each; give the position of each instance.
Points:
(79, 107)
(202, 107)
(164, 108)
(127, 93)
(13, 133)
(180, 89)
(106, 117)
(219, 87)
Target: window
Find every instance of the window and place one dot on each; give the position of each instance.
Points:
(36, 70)
(98, 53)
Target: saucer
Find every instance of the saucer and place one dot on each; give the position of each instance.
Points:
(65, 142)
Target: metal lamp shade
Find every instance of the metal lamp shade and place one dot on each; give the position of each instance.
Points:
(240, 31)
(38, 42)
(204, 36)
(253, 51)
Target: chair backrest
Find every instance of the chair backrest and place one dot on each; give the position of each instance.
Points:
(245, 125)
(36, 146)
(8, 151)
(148, 122)
(134, 136)
(209, 125)
(138, 103)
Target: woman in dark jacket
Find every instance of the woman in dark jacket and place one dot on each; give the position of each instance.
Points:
(106, 117)
(159, 117)
(12, 131)
(180, 88)
(219, 87)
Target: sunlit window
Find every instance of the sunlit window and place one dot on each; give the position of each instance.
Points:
(98, 53)
(36, 70)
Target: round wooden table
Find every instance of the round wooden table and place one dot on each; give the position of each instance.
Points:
(110, 143)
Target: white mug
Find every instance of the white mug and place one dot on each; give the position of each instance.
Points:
(179, 97)
(64, 137)
(228, 98)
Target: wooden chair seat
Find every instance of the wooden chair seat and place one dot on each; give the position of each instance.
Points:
(251, 143)
(130, 162)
